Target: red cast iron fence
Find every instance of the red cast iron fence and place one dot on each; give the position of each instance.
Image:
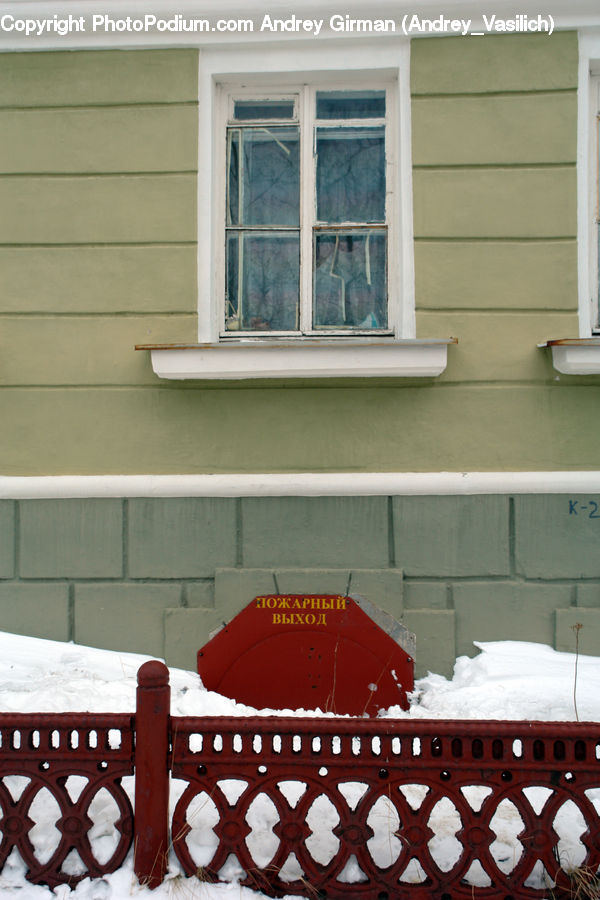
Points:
(68, 768)
(388, 809)
(333, 808)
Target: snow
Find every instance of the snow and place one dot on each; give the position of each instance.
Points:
(506, 680)
(512, 680)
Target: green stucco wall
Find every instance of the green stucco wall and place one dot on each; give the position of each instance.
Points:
(158, 575)
(98, 253)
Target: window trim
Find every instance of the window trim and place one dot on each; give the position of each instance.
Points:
(581, 355)
(595, 196)
(289, 66)
(397, 356)
(593, 188)
(587, 183)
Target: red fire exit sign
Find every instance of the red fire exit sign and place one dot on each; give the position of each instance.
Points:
(309, 651)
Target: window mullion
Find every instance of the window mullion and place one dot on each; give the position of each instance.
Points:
(307, 206)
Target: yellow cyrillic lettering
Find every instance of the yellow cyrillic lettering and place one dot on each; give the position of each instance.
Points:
(271, 602)
(310, 619)
(321, 619)
(341, 603)
(276, 618)
(284, 603)
(260, 602)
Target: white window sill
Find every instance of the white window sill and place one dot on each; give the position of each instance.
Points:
(300, 359)
(575, 356)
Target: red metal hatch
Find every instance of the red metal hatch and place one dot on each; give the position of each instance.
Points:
(306, 651)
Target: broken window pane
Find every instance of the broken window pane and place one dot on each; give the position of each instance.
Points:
(252, 110)
(351, 174)
(263, 176)
(350, 279)
(263, 281)
(350, 104)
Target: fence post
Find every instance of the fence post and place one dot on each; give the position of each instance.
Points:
(151, 816)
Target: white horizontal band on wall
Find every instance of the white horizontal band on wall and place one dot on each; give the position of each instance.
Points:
(302, 484)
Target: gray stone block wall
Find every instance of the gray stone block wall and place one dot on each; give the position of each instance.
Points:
(158, 575)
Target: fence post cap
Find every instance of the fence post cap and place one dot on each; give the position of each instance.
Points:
(153, 673)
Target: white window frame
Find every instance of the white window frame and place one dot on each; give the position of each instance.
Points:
(369, 63)
(594, 212)
(304, 96)
(587, 184)
(581, 355)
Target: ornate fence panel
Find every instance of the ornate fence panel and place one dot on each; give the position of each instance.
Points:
(65, 770)
(372, 809)
(343, 808)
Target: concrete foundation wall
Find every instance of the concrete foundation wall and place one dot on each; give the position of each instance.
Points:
(158, 575)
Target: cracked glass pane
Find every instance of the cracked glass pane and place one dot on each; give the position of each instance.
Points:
(350, 279)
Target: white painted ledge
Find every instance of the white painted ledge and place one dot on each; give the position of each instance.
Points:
(575, 356)
(299, 484)
(300, 359)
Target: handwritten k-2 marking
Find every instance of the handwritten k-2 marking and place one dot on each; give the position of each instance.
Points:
(589, 509)
(492, 24)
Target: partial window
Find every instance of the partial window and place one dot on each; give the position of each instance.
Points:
(596, 198)
(308, 201)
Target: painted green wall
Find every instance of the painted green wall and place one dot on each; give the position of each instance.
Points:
(98, 253)
(158, 575)
(97, 239)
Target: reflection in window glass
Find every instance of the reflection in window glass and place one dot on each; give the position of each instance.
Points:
(252, 110)
(351, 174)
(263, 176)
(350, 104)
(350, 279)
(263, 281)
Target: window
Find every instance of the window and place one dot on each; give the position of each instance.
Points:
(595, 91)
(326, 274)
(581, 355)
(308, 208)
(283, 83)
